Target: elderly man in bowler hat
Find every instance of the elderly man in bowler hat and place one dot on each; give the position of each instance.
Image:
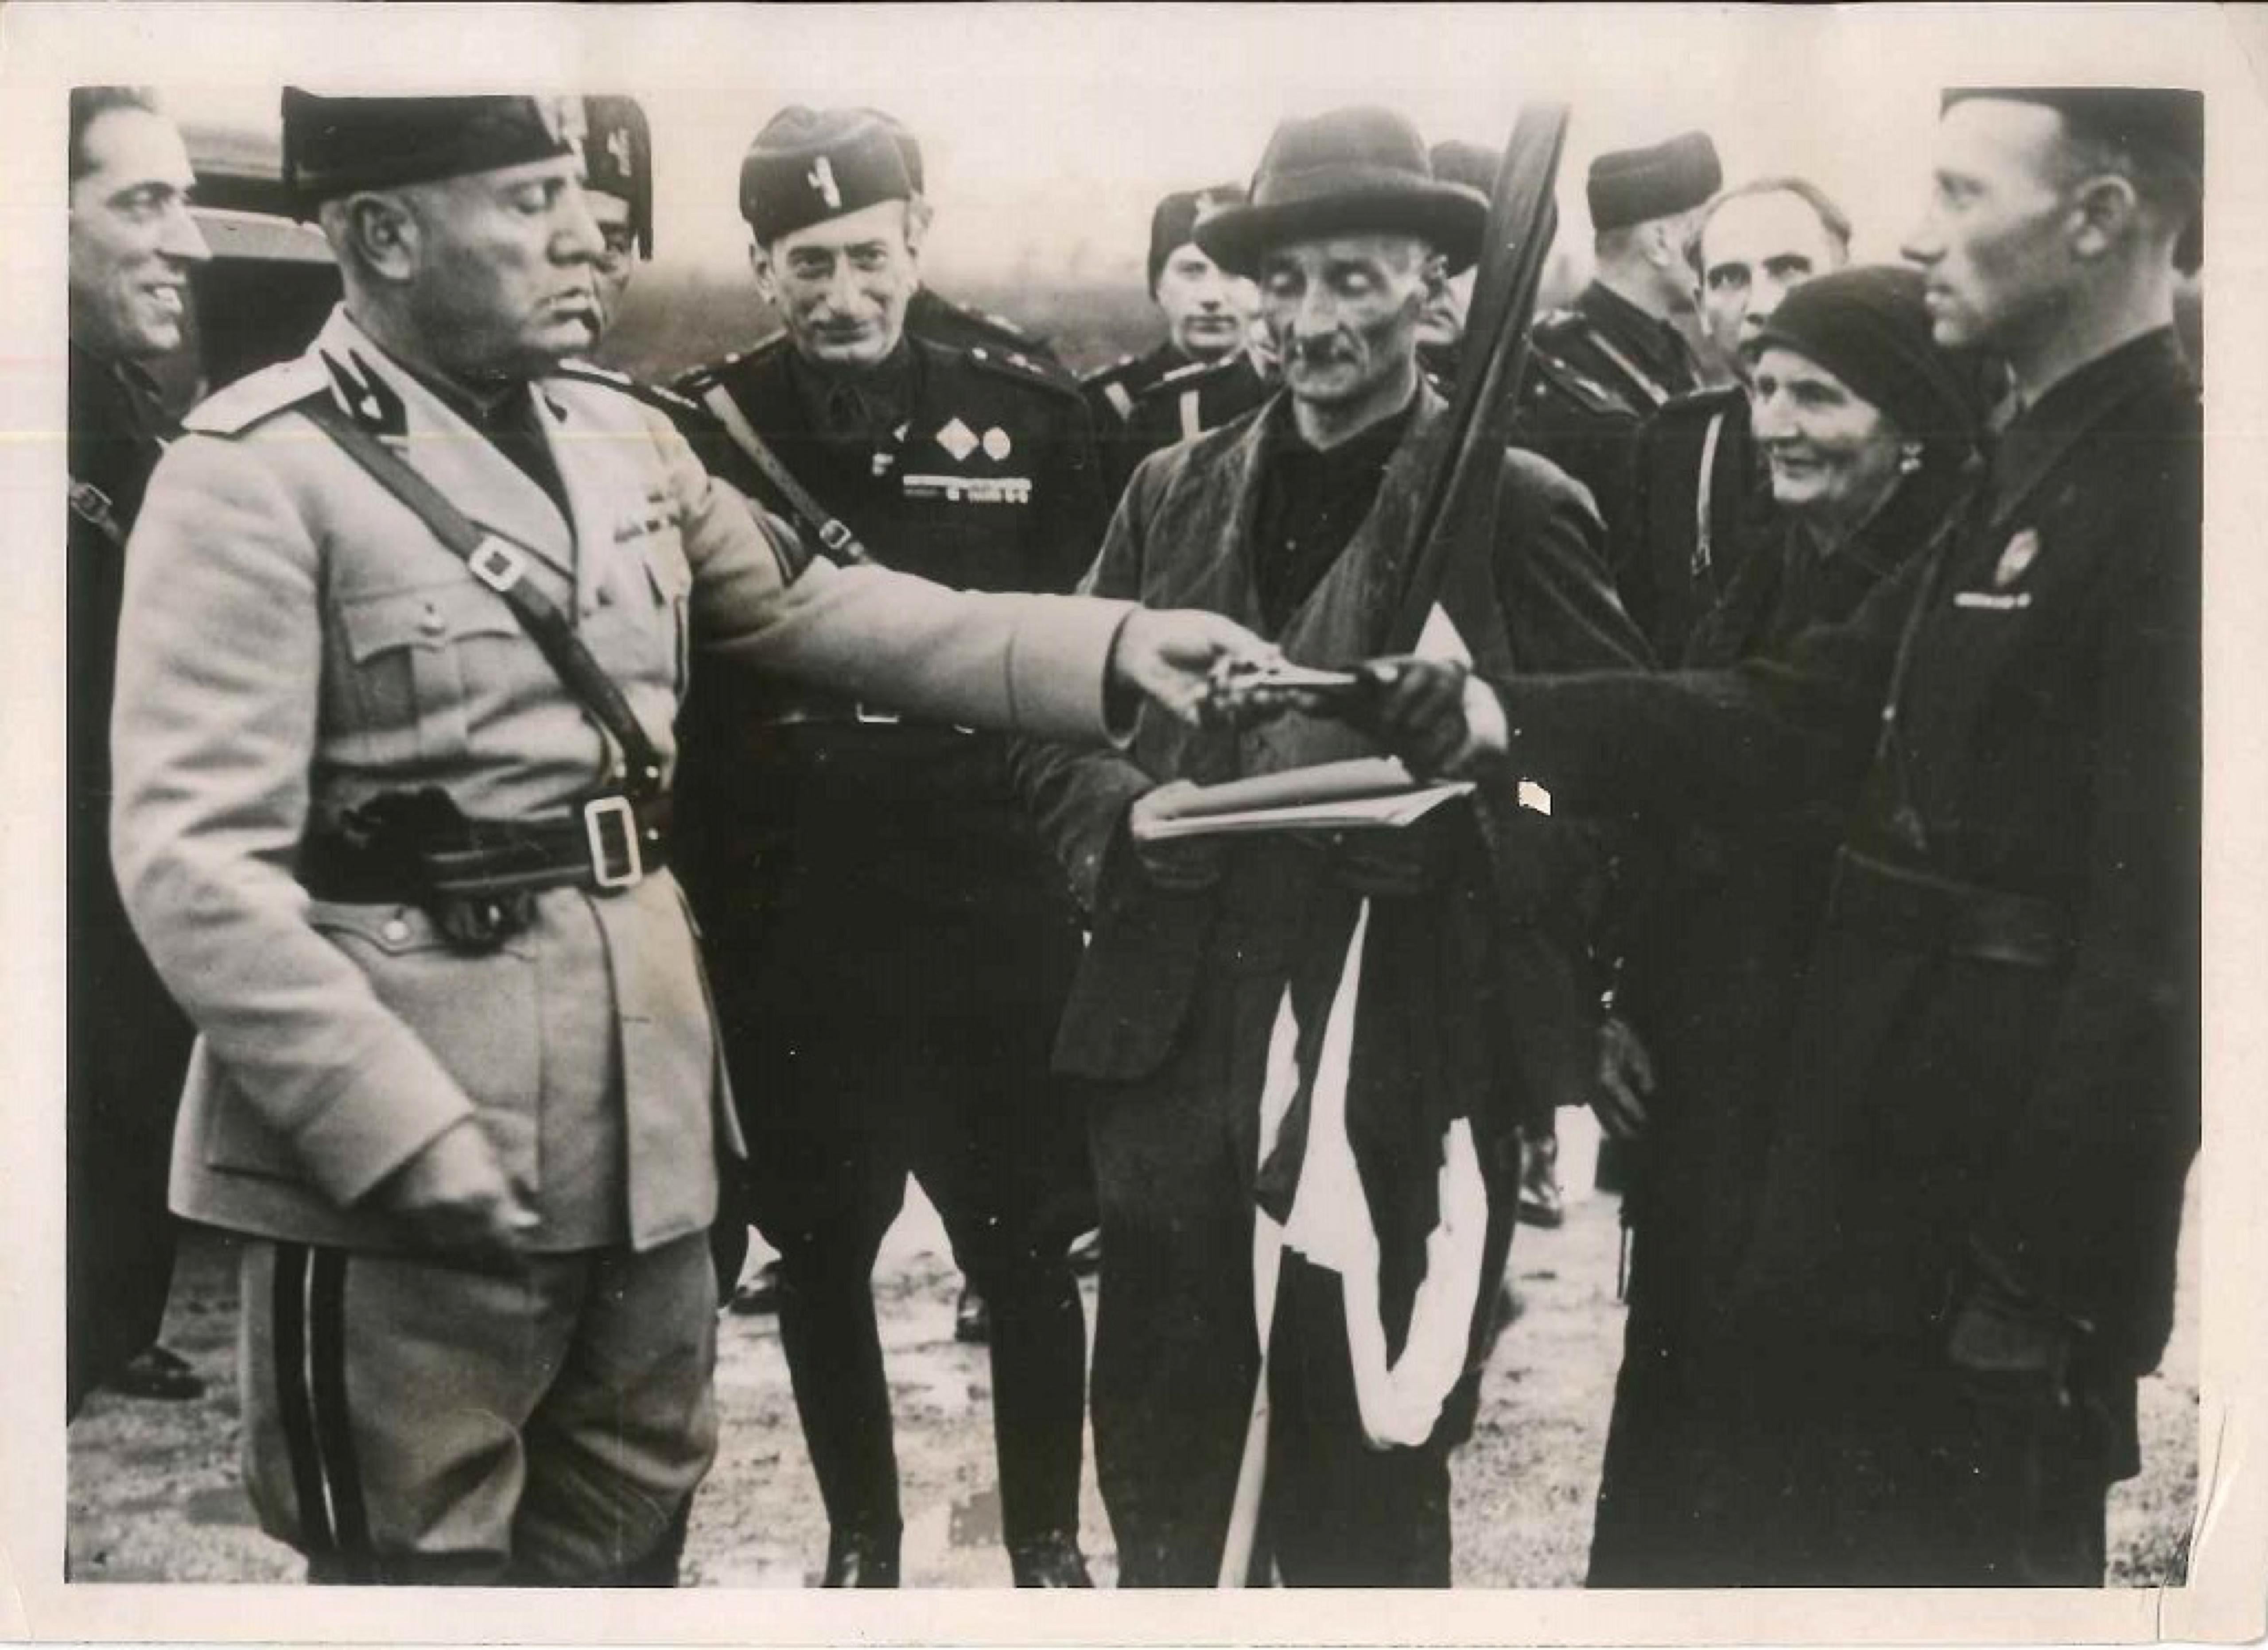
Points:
(1964, 1240)
(1212, 967)
(408, 621)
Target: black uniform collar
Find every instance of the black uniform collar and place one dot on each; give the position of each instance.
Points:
(858, 405)
(2037, 439)
(1654, 343)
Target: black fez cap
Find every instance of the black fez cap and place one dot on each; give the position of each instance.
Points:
(332, 146)
(908, 145)
(1636, 185)
(1349, 172)
(810, 165)
(1175, 222)
(1869, 326)
(1457, 161)
(2167, 121)
(618, 159)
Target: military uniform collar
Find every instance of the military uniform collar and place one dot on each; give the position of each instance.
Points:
(1653, 343)
(2037, 439)
(386, 396)
(865, 403)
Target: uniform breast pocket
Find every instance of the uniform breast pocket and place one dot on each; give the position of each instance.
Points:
(418, 661)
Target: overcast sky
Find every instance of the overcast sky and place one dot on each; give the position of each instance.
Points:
(1051, 131)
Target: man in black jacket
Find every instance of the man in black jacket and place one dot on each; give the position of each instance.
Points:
(132, 247)
(890, 947)
(1965, 1248)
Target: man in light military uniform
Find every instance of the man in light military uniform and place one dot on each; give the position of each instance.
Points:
(406, 622)
(891, 945)
(1615, 355)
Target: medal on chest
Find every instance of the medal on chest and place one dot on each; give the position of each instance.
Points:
(2016, 557)
(954, 486)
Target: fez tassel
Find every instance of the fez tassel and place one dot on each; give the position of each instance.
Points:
(1330, 1225)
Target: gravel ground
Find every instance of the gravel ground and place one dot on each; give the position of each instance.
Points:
(154, 1495)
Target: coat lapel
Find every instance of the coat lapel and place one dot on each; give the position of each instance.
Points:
(456, 458)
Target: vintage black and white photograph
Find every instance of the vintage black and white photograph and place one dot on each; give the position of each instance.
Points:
(1114, 798)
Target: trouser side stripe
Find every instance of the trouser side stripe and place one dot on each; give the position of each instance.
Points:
(327, 1363)
(293, 1405)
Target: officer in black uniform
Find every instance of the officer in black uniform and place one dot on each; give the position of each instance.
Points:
(890, 948)
(1207, 312)
(618, 180)
(1613, 356)
(133, 245)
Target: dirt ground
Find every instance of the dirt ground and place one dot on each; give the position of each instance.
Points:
(154, 1495)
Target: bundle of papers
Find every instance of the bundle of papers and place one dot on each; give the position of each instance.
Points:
(1367, 793)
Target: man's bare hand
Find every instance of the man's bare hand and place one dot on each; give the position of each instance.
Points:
(455, 1198)
(1179, 865)
(1625, 1080)
(1171, 656)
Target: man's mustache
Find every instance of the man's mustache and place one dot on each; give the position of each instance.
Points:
(1323, 350)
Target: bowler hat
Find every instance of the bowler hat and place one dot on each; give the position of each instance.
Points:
(1349, 172)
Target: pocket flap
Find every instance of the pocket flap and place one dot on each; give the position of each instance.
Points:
(430, 615)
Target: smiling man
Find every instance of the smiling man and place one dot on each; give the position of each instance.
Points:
(1212, 967)
(408, 623)
(891, 946)
(132, 247)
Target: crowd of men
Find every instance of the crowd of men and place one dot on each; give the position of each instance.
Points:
(580, 821)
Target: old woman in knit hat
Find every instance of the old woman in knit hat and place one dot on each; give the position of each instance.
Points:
(1870, 432)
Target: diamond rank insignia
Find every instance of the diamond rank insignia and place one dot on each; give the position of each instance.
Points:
(958, 439)
(2018, 557)
(996, 445)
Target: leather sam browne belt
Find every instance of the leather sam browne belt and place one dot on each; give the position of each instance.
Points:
(1916, 911)
(478, 878)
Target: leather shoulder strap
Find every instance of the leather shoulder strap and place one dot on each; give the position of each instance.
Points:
(500, 566)
(834, 535)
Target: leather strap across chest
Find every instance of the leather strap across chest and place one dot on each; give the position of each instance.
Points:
(501, 568)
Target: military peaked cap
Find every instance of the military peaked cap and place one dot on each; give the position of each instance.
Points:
(332, 146)
(1349, 172)
(1636, 185)
(1175, 222)
(618, 159)
(810, 165)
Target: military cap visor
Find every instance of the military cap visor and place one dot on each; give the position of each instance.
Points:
(1637, 186)
(808, 165)
(333, 146)
(1360, 171)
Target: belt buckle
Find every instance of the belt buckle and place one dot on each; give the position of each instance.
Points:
(596, 812)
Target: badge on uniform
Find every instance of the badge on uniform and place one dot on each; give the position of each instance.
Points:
(996, 445)
(2019, 554)
(957, 438)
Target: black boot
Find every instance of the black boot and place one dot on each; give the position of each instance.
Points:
(861, 1557)
(1050, 1560)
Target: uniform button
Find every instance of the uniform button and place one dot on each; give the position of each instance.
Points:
(978, 352)
(395, 929)
(430, 621)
